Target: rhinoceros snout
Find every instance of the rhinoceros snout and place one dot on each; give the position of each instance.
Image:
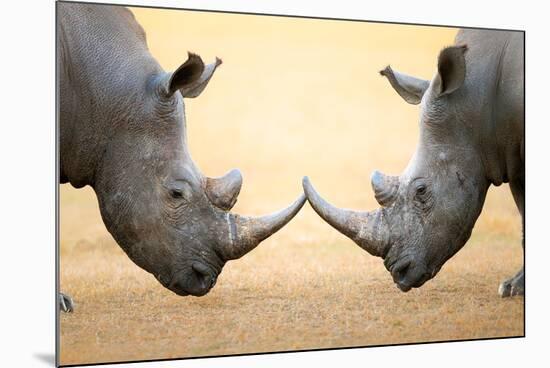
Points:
(408, 274)
(197, 282)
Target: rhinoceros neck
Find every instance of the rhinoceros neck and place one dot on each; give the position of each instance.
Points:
(103, 67)
(493, 94)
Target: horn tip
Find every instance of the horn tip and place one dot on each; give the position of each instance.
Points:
(301, 200)
(297, 205)
(376, 178)
(308, 187)
(236, 173)
(306, 184)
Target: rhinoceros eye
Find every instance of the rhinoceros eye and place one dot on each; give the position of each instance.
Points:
(422, 195)
(176, 193)
(421, 190)
(179, 189)
(180, 192)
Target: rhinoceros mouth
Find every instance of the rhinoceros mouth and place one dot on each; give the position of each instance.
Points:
(405, 286)
(179, 292)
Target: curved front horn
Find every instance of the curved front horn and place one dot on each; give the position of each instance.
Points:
(368, 229)
(385, 188)
(247, 232)
(223, 191)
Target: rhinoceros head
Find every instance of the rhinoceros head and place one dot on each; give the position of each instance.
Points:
(170, 219)
(427, 213)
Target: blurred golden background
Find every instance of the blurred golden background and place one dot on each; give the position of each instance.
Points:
(293, 97)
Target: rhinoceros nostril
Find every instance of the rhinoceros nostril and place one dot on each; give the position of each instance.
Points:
(402, 274)
(399, 271)
(205, 276)
(200, 268)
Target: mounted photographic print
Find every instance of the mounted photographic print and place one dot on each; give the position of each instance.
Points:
(236, 183)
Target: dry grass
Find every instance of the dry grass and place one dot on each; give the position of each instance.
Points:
(296, 97)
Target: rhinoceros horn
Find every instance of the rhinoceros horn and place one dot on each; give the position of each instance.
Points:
(223, 191)
(385, 188)
(368, 229)
(247, 232)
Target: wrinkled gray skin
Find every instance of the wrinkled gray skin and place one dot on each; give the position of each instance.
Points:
(471, 136)
(123, 132)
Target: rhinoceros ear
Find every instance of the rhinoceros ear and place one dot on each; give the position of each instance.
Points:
(451, 70)
(186, 75)
(410, 88)
(191, 77)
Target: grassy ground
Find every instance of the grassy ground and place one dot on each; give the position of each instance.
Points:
(297, 97)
